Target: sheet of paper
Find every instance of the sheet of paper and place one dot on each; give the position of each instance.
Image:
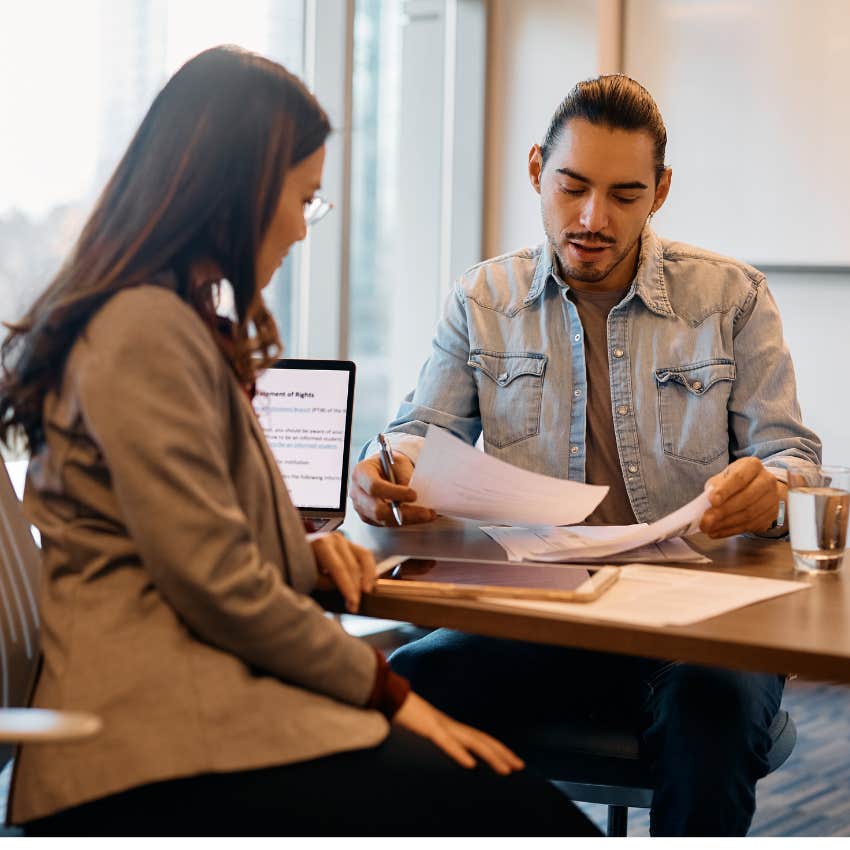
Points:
(519, 543)
(567, 544)
(648, 595)
(454, 478)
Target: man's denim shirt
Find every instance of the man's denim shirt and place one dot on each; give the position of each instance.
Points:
(699, 372)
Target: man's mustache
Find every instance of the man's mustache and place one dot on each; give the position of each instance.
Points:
(589, 238)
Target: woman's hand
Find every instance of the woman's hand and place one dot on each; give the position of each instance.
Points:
(345, 566)
(457, 740)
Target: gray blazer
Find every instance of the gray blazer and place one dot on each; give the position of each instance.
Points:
(176, 573)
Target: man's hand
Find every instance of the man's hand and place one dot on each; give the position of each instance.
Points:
(744, 497)
(345, 566)
(461, 742)
(371, 493)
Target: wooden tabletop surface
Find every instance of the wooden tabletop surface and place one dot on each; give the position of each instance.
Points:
(804, 633)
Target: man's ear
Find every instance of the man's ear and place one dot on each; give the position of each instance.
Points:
(535, 167)
(662, 190)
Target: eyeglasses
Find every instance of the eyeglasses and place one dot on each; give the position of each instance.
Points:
(316, 209)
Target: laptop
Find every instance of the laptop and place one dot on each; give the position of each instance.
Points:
(305, 409)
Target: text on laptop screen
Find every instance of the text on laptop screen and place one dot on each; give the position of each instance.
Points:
(302, 412)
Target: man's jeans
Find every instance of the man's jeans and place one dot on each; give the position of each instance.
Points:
(703, 730)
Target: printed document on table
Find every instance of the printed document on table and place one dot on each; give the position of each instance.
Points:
(569, 544)
(453, 478)
(666, 596)
(519, 544)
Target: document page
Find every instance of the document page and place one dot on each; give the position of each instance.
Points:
(667, 596)
(569, 544)
(519, 544)
(453, 478)
(302, 412)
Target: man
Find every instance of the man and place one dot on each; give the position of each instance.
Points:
(613, 356)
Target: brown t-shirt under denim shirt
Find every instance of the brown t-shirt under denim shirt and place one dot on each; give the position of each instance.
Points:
(602, 464)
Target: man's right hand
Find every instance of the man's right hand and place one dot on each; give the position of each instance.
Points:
(371, 493)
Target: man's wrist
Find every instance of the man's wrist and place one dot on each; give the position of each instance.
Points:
(780, 524)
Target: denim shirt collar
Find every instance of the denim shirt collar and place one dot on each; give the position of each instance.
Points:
(648, 284)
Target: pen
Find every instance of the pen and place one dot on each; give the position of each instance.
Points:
(387, 462)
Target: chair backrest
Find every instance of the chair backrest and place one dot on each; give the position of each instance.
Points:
(20, 567)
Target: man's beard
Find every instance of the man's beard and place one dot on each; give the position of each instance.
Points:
(579, 273)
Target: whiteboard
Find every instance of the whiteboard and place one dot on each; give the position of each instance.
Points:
(756, 98)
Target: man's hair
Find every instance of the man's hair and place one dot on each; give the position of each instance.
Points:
(614, 101)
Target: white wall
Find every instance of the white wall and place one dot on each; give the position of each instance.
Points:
(754, 95)
(815, 309)
(537, 51)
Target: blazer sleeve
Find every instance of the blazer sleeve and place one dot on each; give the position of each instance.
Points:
(153, 391)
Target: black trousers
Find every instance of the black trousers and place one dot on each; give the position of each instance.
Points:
(703, 730)
(404, 786)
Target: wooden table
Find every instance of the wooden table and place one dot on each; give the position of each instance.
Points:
(805, 633)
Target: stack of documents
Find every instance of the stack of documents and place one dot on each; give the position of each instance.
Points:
(453, 478)
(522, 544)
(657, 542)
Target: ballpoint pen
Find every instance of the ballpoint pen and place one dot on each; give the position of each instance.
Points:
(387, 462)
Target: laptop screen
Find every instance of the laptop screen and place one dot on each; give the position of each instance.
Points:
(305, 408)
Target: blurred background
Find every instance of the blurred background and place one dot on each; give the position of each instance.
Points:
(435, 104)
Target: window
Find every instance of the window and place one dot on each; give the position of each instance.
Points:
(416, 186)
(84, 75)
(403, 83)
(374, 183)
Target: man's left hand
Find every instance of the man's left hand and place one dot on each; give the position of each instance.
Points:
(744, 497)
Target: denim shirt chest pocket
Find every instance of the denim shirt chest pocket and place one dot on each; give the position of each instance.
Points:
(510, 393)
(692, 409)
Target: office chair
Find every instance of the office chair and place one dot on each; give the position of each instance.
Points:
(595, 761)
(20, 567)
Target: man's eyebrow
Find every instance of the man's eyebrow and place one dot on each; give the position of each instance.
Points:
(574, 174)
(631, 184)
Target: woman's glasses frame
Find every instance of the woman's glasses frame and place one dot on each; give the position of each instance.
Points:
(316, 209)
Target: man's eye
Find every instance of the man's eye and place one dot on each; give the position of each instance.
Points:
(623, 200)
(573, 192)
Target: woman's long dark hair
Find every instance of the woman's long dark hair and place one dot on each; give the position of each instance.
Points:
(199, 182)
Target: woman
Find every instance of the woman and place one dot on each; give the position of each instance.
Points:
(177, 573)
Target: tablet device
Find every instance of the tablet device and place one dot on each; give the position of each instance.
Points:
(503, 579)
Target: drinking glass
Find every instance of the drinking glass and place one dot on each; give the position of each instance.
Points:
(818, 502)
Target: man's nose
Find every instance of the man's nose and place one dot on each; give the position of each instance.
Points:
(594, 214)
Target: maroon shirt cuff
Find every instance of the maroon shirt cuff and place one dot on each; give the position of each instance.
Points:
(389, 691)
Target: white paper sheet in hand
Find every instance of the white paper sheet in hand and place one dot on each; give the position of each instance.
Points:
(563, 544)
(453, 478)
